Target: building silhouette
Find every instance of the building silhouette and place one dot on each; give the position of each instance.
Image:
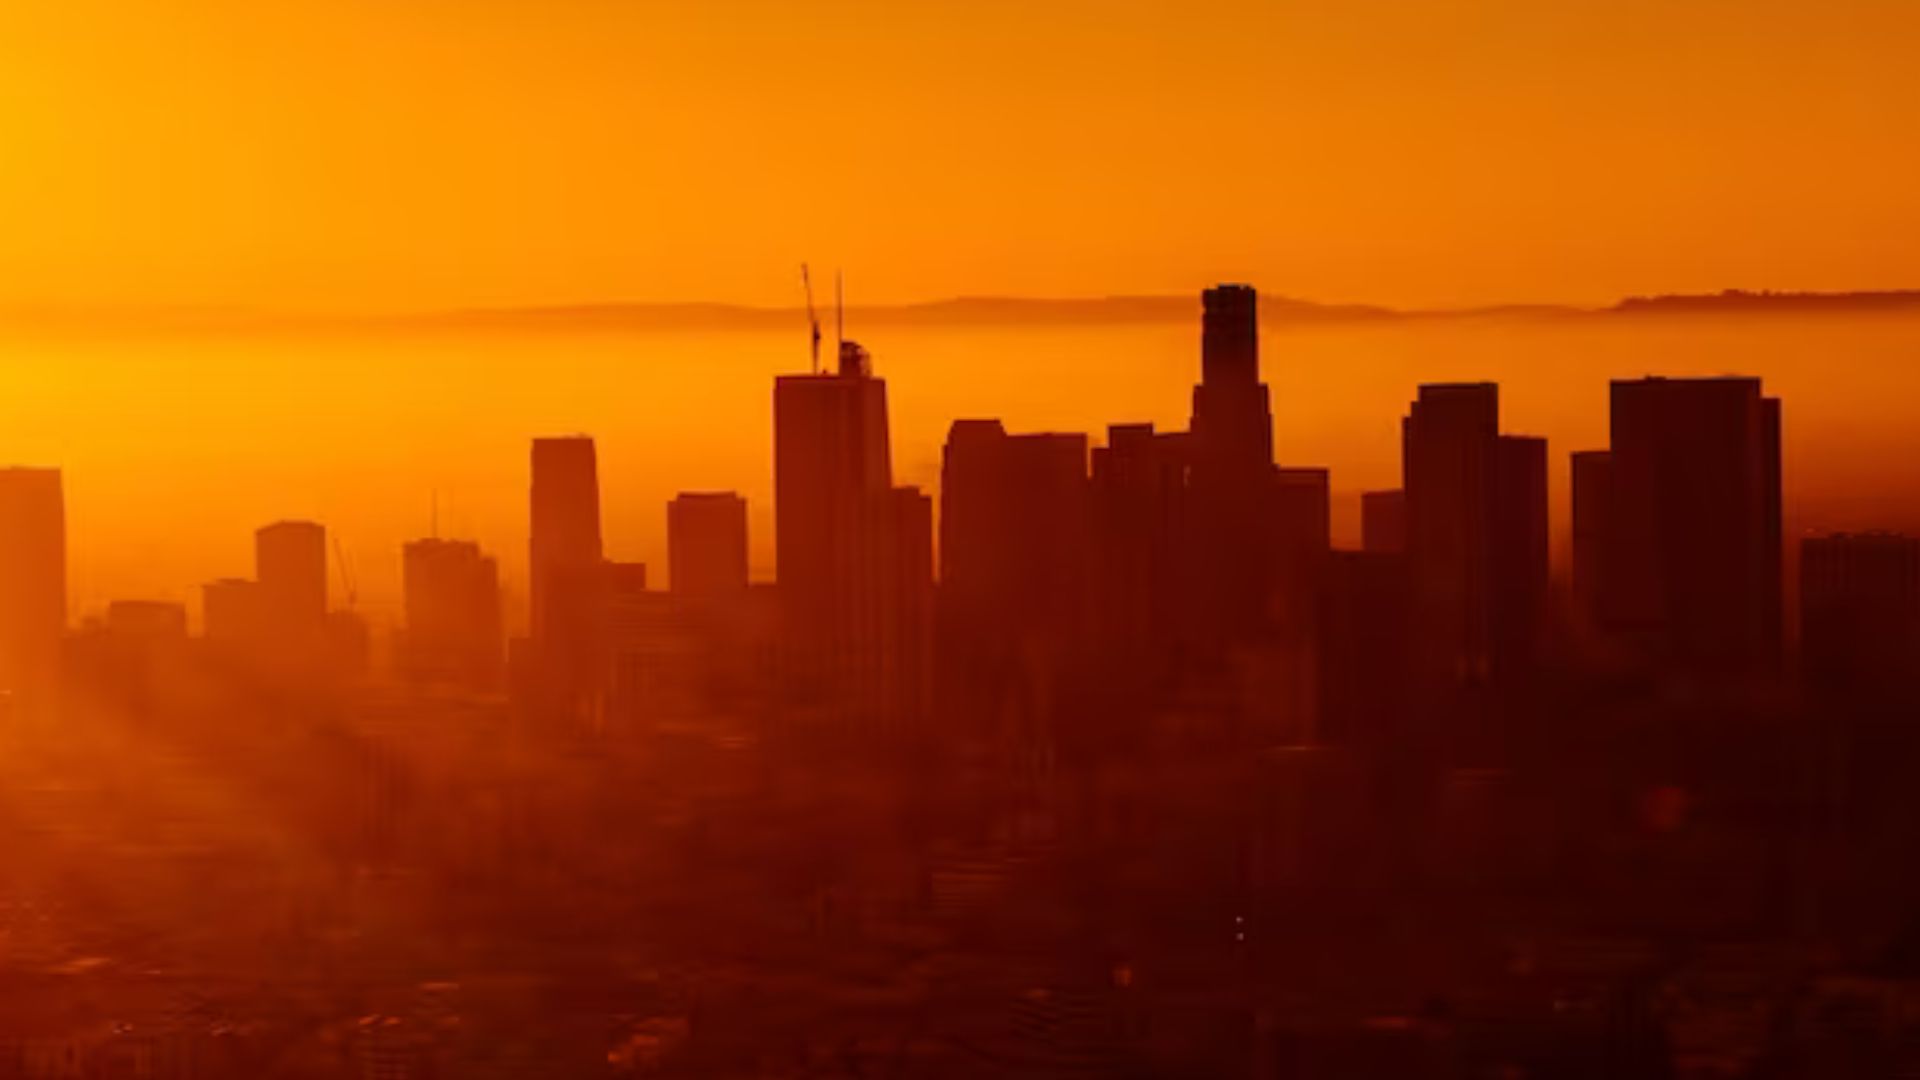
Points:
(564, 652)
(290, 568)
(1383, 521)
(1476, 537)
(233, 618)
(1230, 475)
(1687, 512)
(836, 524)
(707, 544)
(1860, 613)
(453, 632)
(33, 581)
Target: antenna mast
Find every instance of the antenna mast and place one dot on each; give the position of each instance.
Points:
(839, 316)
(813, 320)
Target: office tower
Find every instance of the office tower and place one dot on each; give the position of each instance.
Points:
(1230, 474)
(1302, 527)
(1860, 613)
(1591, 484)
(564, 654)
(1451, 442)
(33, 580)
(1691, 557)
(1015, 545)
(1138, 497)
(290, 565)
(910, 550)
(1476, 537)
(1520, 553)
(832, 525)
(707, 544)
(453, 618)
(232, 615)
(1383, 522)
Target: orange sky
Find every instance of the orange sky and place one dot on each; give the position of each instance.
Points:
(408, 153)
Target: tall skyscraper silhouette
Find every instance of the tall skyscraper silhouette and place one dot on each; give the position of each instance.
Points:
(1590, 480)
(453, 618)
(1383, 521)
(835, 526)
(33, 581)
(1521, 553)
(567, 578)
(1691, 549)
(707, 544)
(1230, 477)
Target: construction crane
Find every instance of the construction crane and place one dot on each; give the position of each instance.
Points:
(346, 575)
(813, 320)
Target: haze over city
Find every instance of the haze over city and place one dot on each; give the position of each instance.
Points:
(1276, 540)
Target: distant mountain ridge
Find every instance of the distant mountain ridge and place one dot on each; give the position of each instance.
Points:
(957, 312)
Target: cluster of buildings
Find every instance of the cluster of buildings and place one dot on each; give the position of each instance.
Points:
(1073, 588)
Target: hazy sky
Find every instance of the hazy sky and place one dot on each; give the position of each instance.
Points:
(406, 153)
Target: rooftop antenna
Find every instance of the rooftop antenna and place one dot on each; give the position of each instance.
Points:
(346, 573)
(433, 513)
(839, 315)
(813, 320)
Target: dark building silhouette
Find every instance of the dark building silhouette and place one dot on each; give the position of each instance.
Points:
(1365, 642)
(233, 615)
(453, 620)
(1476, 537)
(835, 521)
(147, 620)
(1138, 501)
(33, 580)
(1230, 474)
(564, 654)
(290, 563)
(1302, 527)
(707, 544)
(1383, 521)
(1520, 553)
(1860, 612)
(1591, 479)
(1014, 547)
(1451, 447)
(1690, 555)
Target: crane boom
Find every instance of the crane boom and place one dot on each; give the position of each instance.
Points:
(813, 320)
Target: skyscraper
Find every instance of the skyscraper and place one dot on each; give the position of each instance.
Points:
(1591, 475)
(566, 578)
(707, 544)
(33, 580)
(1451, 443)
(453, 628)
(1520, 553)
(1691, 555)
(290, 565)
(1230, 533)
(833, 523)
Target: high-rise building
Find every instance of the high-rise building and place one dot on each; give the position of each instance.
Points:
(1383, 522)
(1451, 450)
(1139, 578)
(1230, 523)
(1015, 550)
(1691, 555)
(910, 549)
(1860, 612)
(833, 524)
(33, 580)
(1302, 531)
(566, 578)
(1591, 481)
(232, 616)
(707, 544)
(1476, 537)
(290, 565)
(1521, 553)
(453, 618)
